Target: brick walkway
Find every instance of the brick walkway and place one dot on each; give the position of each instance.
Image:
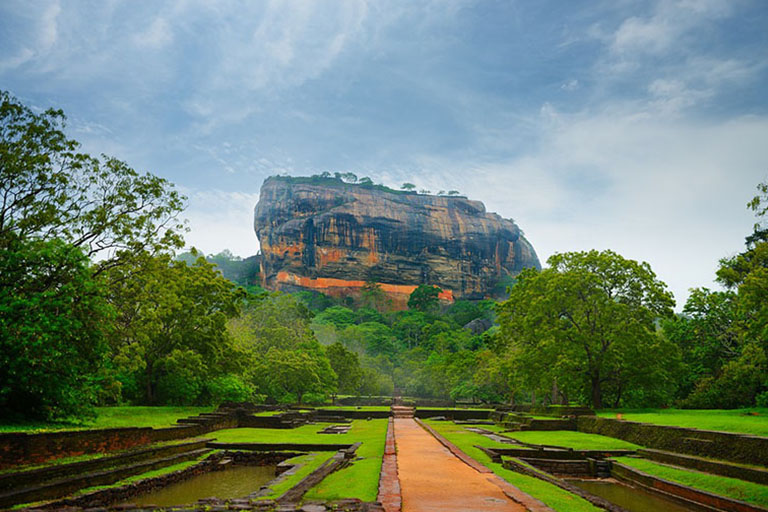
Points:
(433, 479)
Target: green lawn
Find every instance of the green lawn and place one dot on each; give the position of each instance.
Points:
(733, 420)
(569, 439)
(113, 417)
(360, 480)
(724, 486)
(552, 495)
(308, 462)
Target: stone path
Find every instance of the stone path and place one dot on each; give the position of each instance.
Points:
(433, 479)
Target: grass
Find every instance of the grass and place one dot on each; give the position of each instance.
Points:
(733, 420)
(569, 439)
(113, 417)
(309, 463)
(551, 495)
(360, 480)
(724, 486)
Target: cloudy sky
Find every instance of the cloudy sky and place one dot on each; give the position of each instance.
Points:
(639, 126)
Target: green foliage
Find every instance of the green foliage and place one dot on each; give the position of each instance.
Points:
(588, 324)
(244, 272)
(53, 324)
(346, 365)
(170, 346)
(66, 219)
(228, 388)
(408, 186)
(100, 206)
(282, 358)
(424, 298)
(724, 335)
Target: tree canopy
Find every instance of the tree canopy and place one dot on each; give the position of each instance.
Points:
(587, 324)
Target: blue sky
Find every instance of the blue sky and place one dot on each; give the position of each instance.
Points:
(639, 126)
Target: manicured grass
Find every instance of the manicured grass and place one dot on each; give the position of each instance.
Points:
(724, 486)
(309, 463)
(360, 480)
(552, 495)
(733, 420)
(569, 439)
(113, 417)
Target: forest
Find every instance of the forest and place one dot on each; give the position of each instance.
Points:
(99, 306)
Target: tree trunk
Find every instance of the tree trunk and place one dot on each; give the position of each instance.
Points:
(597, 395)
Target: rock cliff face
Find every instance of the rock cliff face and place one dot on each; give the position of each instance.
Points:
(333, 237)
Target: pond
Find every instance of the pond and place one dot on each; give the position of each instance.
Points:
(628, 497)
(234, 482)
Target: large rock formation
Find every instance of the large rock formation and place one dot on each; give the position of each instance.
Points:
(326, 235)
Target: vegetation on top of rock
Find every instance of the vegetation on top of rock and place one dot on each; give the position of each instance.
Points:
(349, 179)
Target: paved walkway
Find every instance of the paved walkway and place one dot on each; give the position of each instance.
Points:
(433, 479)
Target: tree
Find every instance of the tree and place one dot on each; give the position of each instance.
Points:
(365, 181)
(374, 297)
(349, 177)
(101, 206)
(53, 324)
(453, 192)
(166, 309)
(407, 186)
(284, 372)
(424, 298)
(346, 365)
(588, 322)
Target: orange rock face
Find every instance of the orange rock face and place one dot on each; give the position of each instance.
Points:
(325, 235)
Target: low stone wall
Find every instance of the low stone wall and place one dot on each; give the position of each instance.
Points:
(19, 448)
(750, 474)
(561, 466)
(354, 414)
(360, 400)
(267, 447)
(36, 476)
(683, 493)
(453, 414)
(718, 445)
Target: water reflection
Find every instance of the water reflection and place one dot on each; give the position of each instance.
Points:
(628, 497)
(234, 482)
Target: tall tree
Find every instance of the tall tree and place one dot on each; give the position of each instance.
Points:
(167, 308)
(53, 326)
(48, 190)
(587, 322)
(424, 298)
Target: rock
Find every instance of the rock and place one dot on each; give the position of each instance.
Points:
(333, 237)
(479, 325)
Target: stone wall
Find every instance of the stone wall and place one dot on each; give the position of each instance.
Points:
(453, 414)
(740, 448)
(20, 448)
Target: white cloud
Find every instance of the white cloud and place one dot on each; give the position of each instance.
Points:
(221, 220)
(672, 193)
(157, 34)
(670, 21)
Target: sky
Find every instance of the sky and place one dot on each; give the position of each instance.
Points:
(639, 126)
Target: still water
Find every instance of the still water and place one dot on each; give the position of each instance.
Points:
(234, 482)
(628, 497)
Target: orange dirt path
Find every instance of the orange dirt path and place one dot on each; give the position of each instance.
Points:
(433, 479)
